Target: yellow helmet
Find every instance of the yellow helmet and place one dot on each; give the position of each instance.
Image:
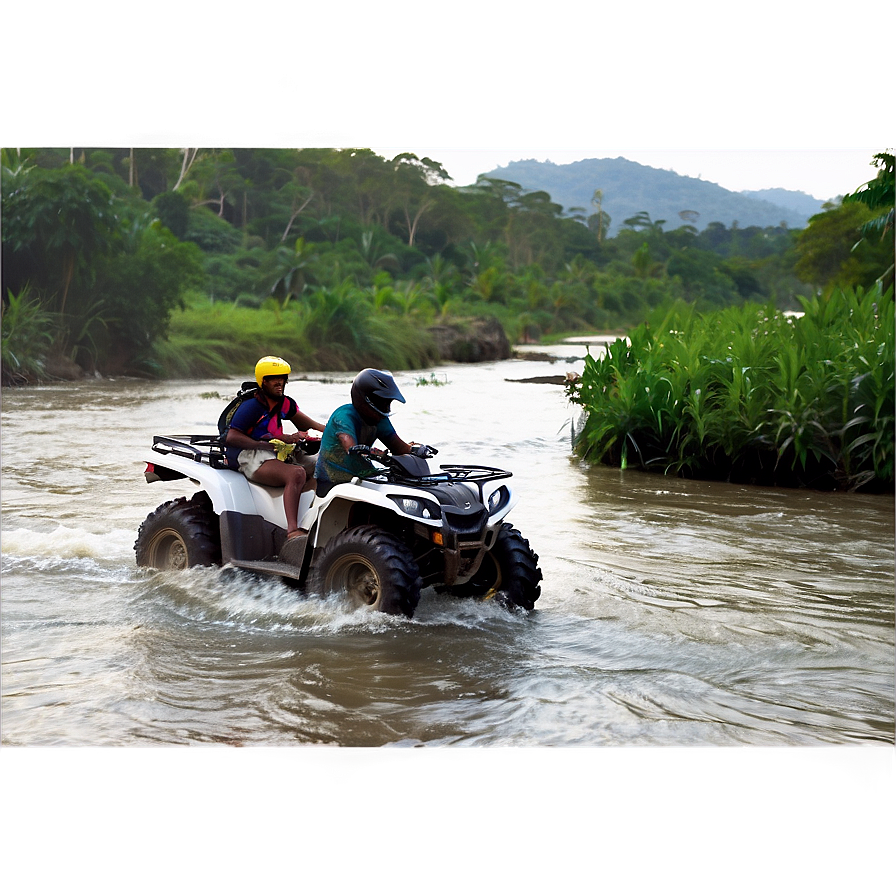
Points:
(270, 366)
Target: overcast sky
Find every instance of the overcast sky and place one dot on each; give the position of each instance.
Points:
(776, 94)
(749, 95)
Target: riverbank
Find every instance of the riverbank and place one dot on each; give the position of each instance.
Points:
(219, 353)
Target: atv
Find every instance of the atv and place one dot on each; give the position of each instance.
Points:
(378, 540)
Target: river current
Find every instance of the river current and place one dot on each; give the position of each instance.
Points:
(673, 612)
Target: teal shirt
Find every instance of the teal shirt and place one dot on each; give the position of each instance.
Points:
(333, 461)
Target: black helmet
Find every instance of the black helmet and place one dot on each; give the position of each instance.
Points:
(375, 389)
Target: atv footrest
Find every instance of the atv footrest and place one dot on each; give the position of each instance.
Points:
(269, 567)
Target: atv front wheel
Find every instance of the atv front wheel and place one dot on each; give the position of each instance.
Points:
(178, 534)
(510, 567)
(373, 568)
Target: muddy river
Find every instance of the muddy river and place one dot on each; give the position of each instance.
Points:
(673, 614)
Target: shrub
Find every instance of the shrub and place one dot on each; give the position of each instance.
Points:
(749, 394)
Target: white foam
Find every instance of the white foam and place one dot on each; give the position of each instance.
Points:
(66, 543)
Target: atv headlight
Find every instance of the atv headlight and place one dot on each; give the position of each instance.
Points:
(419, 507)
(497, 499)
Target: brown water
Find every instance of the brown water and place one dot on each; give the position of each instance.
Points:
(672, 612)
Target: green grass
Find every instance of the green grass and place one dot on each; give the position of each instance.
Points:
(334, 329)
(749, 395)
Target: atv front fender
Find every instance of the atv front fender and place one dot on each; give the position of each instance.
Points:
(331, 513)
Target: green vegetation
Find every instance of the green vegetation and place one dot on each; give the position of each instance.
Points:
(432, 380)
(27, 332)
(173, 262)
(331, 329)
(751, 395)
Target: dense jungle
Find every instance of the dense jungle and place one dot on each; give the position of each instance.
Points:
(185, 262)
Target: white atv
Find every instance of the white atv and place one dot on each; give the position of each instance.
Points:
(378, 539)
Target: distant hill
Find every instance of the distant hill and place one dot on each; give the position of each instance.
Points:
(629, 188)
(799, 202)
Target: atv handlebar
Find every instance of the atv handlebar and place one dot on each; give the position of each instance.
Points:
(399, 467)
(423, 451)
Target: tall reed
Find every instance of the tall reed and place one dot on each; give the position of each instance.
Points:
(751, 395)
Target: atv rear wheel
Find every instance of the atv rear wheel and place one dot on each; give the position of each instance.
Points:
(510, 567)
(179, 534)
(373, 568)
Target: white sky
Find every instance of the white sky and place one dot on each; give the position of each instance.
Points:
(821, 171)
(777, 93)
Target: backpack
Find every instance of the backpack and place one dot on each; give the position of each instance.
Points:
(247, 390)
(217, 448)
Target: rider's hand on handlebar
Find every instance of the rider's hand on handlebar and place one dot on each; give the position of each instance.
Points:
(424, 451)
(359, 449)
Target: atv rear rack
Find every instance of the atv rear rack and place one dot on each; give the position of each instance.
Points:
(186, 446)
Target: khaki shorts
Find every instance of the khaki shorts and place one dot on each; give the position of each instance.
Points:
(251, 459)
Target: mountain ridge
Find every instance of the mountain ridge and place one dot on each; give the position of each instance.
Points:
(630, 187)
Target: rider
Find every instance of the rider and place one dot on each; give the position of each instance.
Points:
(359, 423)
(258, 420)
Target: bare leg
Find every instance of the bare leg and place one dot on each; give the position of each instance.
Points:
(292, 478)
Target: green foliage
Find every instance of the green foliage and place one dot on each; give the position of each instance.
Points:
(174, 212)
(831, 251)
(136, 293)
(878, 195)
(432, 380)
(292, 271)
(358, 253)
(243, 276)
(95, 261)
(27, 333)
(751, 395)
(328, 329)
(211, 233)
(57, 225)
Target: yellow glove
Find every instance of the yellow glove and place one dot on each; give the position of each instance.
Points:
(283, 450)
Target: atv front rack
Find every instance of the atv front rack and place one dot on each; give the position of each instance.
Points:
(474, 473)
(451, 473)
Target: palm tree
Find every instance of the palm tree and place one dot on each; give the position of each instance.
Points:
(294, 267)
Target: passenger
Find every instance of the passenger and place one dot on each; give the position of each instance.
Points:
(258, 420)
(362, 422)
